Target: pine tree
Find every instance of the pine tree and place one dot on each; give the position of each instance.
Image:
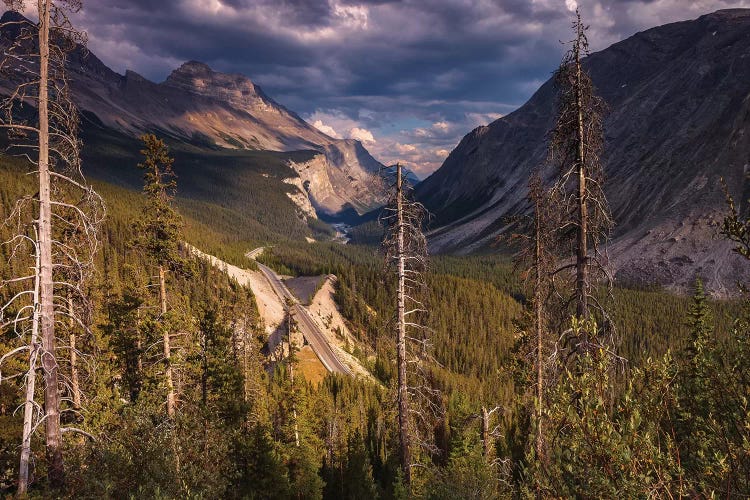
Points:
(714, 406)
(158, 234)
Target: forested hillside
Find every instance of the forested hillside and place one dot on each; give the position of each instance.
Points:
(234, 430)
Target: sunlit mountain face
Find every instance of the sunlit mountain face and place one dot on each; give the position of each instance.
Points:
(408, 79)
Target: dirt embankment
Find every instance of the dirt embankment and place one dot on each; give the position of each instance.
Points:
(322, 308)
(326, 314)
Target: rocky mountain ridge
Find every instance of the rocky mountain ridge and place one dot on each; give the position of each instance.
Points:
(679, 121)
(201, 106)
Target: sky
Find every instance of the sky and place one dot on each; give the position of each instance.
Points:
(408, 78)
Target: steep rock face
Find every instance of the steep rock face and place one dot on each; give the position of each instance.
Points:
(301, 199)
(679, 99)
(339, 178)
(208, 108)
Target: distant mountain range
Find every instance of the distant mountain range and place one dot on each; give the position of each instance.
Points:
(205, 108)
(679, 121)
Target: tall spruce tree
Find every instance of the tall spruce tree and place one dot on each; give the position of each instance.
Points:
(158, 234)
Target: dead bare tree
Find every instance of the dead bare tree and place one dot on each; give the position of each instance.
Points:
(406, 253)
(583, 220)
(488, 434)
(41, 121)
(292, 327)
(536, 253)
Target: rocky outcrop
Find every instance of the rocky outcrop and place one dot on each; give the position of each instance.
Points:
(301, 199)
(341, 177)
(679, 121)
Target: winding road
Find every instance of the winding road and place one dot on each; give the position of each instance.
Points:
(305, 323)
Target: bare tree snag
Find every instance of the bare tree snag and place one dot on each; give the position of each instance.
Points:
(29, 405)
(582, 307)
(46, 285)
(67, 211)
(583, 220)
(292, 326)
(403, 393)
(485, 433)
(538, 260)
(168, 380)
(406, 253)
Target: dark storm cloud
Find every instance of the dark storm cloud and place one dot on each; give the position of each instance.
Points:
(414, 73)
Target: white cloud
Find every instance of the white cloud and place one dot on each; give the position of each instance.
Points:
(326, 129)
(352, 16)
(571, 5)
(441, 125)
(362, 135)
(405, 148)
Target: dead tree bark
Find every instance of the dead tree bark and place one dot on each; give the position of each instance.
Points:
(582, 281)
(46, 284)
(292, 358)
(28, 407)
(538, 260)
(34, 58)
(583, 221)
(406, 252)
(403, 393)
(168, 380)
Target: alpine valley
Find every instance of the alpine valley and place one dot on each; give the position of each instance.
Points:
(202, 295)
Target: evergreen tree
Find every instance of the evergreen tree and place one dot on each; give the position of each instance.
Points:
(158, 234)
(603, 446)
(714, 405)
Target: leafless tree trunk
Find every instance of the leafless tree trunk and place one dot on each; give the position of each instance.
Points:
(406, 252)
(65, 231)
(583, 220)
(46, 284)
(582, 280)
(169, 382)
(403, 392)
(539, 262)
(29, 404)
(292, 325)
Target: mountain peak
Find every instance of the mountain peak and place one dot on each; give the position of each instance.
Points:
(678, 104)
(238, 90)
(194, 67)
